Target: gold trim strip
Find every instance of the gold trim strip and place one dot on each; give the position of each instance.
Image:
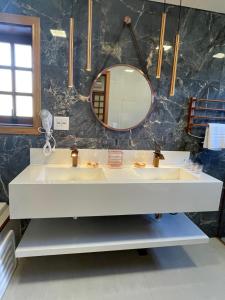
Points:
(161, 44)
(175, 61)
(89, 42)
(71, 57)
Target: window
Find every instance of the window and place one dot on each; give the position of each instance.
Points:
(19, 74)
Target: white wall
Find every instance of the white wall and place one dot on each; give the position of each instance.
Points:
(211, 5)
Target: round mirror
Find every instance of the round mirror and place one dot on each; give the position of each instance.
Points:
(121, 97)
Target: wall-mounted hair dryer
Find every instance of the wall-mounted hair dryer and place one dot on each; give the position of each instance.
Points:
(46, 120)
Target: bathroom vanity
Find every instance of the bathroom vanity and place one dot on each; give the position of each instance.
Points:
(90, 209)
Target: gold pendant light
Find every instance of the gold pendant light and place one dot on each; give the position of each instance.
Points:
(71, 48)
(71, 58)
(175, 61)
(161, 43)
(89, 41)
(176, 54)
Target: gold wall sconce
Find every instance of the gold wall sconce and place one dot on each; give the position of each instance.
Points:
(89, 41)
(176, 54)
(161, 43)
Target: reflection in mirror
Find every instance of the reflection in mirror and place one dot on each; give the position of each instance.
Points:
(121, 97)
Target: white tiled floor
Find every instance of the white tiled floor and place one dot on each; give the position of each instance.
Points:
(190, 272)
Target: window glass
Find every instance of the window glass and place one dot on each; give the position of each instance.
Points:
(24, 106)
(23, 81)
(5, 80)
(5, 54)
(19, 74)
(6, 105)
(23, 56)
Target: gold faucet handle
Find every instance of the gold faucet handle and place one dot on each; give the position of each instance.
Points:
(159, 155)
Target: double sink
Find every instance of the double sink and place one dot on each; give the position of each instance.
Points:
(78, 175)
(55, 191)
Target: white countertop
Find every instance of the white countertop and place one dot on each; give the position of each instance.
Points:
(51, 188)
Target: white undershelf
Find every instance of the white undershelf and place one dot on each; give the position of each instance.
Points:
(67, 236)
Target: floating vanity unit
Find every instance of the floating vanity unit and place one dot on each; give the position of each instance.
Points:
(85, 209)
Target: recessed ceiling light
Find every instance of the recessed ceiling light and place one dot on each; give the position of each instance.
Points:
(58, 33)
(219, 55)
(129, 70)
(165, 47)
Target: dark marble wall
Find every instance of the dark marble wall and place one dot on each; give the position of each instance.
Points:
(202, 33)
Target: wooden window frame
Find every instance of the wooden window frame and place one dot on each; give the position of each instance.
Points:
(34, 22)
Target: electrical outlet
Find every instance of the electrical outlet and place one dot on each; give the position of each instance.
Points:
(61, 123)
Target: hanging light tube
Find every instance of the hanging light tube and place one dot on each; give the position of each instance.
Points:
(89, 41)
(71, 57)
(176, 54)
(161, 43)
(175, 61)
(71, 49)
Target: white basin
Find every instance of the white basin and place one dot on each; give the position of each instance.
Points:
(164, 174)
(79, 175)
(70, 174)
(123, 174)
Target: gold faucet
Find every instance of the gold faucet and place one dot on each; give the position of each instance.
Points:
(157, 155)
(74, 155)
